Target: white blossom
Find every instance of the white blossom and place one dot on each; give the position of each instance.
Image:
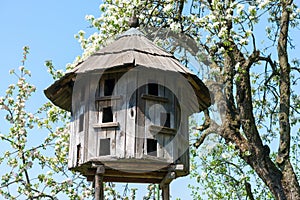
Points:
(223, 32)
(21, 68)
(89, 17)
(248, 32)
(11, 71)
(240, 8)
(175, 26)
(203, 175)
(237, 65)
(81, 32)
(49, 173)
(226, 155)
(244, 41)
(211, 17)
(168, 8)
(252, 9)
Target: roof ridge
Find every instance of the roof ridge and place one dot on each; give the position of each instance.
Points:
(136, 50)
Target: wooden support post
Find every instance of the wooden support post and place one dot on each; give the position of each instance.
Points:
(166, 192)
(99, 193)
(165, 183)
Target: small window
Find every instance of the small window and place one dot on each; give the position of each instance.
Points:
(109, 86)
(165, 120)
(107, 115)
(151, 147)
(104, 147)
(153, 89)
(78, 154)
(81, 121)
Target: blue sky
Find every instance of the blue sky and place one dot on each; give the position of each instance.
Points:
(48, 28)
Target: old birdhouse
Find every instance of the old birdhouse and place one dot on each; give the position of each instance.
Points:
(130, 104)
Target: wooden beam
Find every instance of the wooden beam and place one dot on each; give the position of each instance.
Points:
(155, 98)
(168, 178)
(166, 192)
(165, 183)
(99, 193)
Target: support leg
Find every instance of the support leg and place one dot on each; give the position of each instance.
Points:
(166, 192)
(99, 193)
(165, 183)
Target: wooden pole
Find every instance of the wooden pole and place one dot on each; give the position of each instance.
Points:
(166, 192)
(165, 183)
(99, 193)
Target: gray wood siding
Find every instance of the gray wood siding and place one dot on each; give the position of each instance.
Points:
(134, 113)
(140, 126)
(121, 113)
(91, 149)
(131, 114)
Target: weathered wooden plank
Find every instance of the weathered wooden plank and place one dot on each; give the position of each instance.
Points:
(168, 148)
(111, 133)
(131, 180)
(102, 133)
(166, 192)
(168, 120)
(165, 183)
(160, 145)
(183, 141)
(84, 101)
(177, 125)
(106, 125)
(156, 122)
(107, 98)
(131, 114)
(140, 126)
(72, 141)
(155, 98)
(99, 192)
(171, 175)
(149, 120)
(162, 130)
(120, 88)
(91, 135)
(80, 135)
(101, 86)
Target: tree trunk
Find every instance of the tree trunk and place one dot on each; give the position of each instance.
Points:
(289, 179)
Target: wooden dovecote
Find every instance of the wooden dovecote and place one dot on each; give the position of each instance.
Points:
(130, 104)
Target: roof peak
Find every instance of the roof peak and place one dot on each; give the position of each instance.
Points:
(130, 32)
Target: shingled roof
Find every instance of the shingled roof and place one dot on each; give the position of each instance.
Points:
(130, 48)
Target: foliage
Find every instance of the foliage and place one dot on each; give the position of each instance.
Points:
(252, 77)
(249, 80)
(35, 170)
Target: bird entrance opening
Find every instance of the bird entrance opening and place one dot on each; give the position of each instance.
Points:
(104, 147)
(78, 149)
(151, 147)
(109, 85)
(165, 120)
(107, 115)
(81, 120)
(153, 89)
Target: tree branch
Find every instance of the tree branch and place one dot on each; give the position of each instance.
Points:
(284, 89)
